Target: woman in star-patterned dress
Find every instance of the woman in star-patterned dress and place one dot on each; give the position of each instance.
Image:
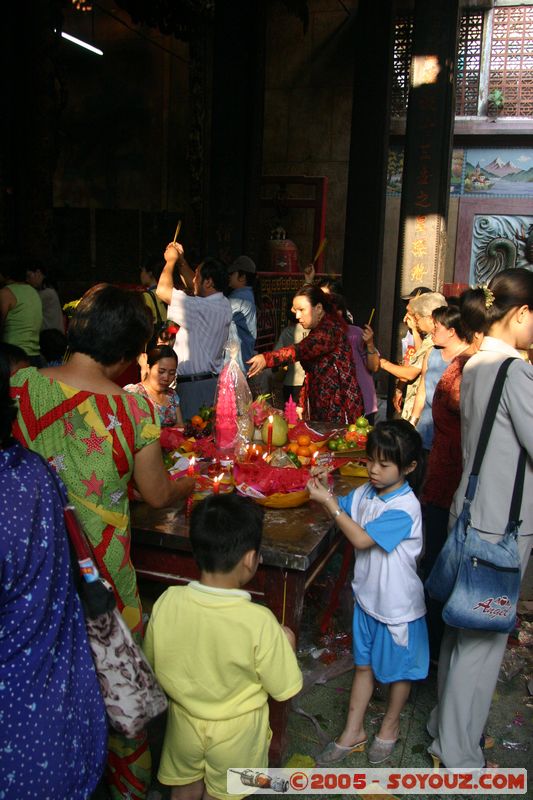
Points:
(98, 437)
(53, 728)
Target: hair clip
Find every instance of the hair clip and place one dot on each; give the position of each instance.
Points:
(488, 293)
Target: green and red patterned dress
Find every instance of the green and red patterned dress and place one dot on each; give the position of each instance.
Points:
(91, 440)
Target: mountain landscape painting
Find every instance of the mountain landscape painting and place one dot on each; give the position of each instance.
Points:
(499, 172)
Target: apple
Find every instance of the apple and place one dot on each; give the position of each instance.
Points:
(361, 422)
(352, 427)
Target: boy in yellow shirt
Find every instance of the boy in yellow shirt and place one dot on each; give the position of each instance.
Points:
(218, 656)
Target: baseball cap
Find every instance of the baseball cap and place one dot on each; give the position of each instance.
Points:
(242, 264)
(418, 290)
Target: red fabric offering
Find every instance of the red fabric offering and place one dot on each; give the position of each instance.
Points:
(271, 480)
(171, 438)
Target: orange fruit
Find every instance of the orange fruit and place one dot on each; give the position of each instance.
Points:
(304, 440)
(306, 452)
(196, 421)
(187, 446)
(293, 447)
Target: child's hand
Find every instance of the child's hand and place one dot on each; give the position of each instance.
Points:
(322, 473)
(290, 636)
(317, 491)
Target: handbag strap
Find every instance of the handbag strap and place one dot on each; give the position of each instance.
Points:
(518, 489)
(490, 414)
(484, 435)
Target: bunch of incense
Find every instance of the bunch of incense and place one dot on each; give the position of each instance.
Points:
(178, 228)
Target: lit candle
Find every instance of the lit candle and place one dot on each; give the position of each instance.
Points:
(216, 483)
(269, 433)
(314, 458)
(190, 468)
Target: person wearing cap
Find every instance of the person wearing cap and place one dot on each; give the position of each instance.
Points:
(243, 326)
(204, 319)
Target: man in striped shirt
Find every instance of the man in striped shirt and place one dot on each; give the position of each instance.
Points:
(204, 321)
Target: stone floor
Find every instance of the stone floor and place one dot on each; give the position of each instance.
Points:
(510, 722)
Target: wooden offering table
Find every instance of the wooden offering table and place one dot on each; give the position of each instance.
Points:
(297, 545)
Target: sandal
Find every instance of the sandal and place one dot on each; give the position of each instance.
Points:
(380, 750)
(334, 752)
(438, 764)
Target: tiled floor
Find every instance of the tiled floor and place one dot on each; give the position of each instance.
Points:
(510, 722)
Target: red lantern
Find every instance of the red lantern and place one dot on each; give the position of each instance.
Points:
(283, 253)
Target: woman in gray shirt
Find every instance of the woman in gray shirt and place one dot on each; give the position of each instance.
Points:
(470, 660)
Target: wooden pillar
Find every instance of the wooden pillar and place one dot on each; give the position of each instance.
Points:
(236, 127)
(367, 171)
(428, 150)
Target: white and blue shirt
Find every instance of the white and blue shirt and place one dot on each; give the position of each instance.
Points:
(204, 324)
(244, 323)
(386, 585)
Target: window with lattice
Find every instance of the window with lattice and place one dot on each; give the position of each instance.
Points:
(468, 64)
(403, 48)
(511, 59)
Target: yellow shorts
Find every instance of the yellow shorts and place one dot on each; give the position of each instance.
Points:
(199, 749)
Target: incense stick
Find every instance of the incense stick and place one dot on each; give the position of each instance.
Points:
(321, 248)
(178, 228)
(371, 316)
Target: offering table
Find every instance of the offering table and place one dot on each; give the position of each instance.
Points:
(297, 545)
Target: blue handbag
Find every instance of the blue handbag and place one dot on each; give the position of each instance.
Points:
(478, 581)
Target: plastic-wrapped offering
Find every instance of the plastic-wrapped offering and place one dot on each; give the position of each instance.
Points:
(233, 426)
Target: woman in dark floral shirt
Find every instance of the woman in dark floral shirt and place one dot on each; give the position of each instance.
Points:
(330, 392)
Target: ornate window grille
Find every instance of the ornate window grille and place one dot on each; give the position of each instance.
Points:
(403, 48)
(511, 59)
(469, 64)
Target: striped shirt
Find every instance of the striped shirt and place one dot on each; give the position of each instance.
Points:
(204, 326)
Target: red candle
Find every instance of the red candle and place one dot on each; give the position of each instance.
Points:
(269, 433)
(314, 458)
(188, 506)
(190, 468)
(216, 483)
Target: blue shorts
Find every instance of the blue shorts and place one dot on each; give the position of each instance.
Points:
(373, 646)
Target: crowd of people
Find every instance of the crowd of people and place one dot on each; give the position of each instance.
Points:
(217, 655)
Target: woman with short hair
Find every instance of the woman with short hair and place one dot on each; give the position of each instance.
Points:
(330, 392)
(99, 437)
(54, 727)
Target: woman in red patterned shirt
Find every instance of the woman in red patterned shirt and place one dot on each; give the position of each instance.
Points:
(330, 392)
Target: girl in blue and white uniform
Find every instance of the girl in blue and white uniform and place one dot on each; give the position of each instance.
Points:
(383, 521)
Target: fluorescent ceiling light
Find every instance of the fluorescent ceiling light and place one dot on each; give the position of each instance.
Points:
(82, 44)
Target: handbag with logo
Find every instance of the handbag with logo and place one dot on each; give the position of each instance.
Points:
(477, 580)
(132, 695)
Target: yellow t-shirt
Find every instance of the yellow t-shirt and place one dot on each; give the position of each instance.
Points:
(155, 304)
(217, 654)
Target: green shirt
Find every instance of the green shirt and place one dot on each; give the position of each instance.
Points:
(22, 324)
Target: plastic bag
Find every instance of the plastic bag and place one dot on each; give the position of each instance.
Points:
(233, 425)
